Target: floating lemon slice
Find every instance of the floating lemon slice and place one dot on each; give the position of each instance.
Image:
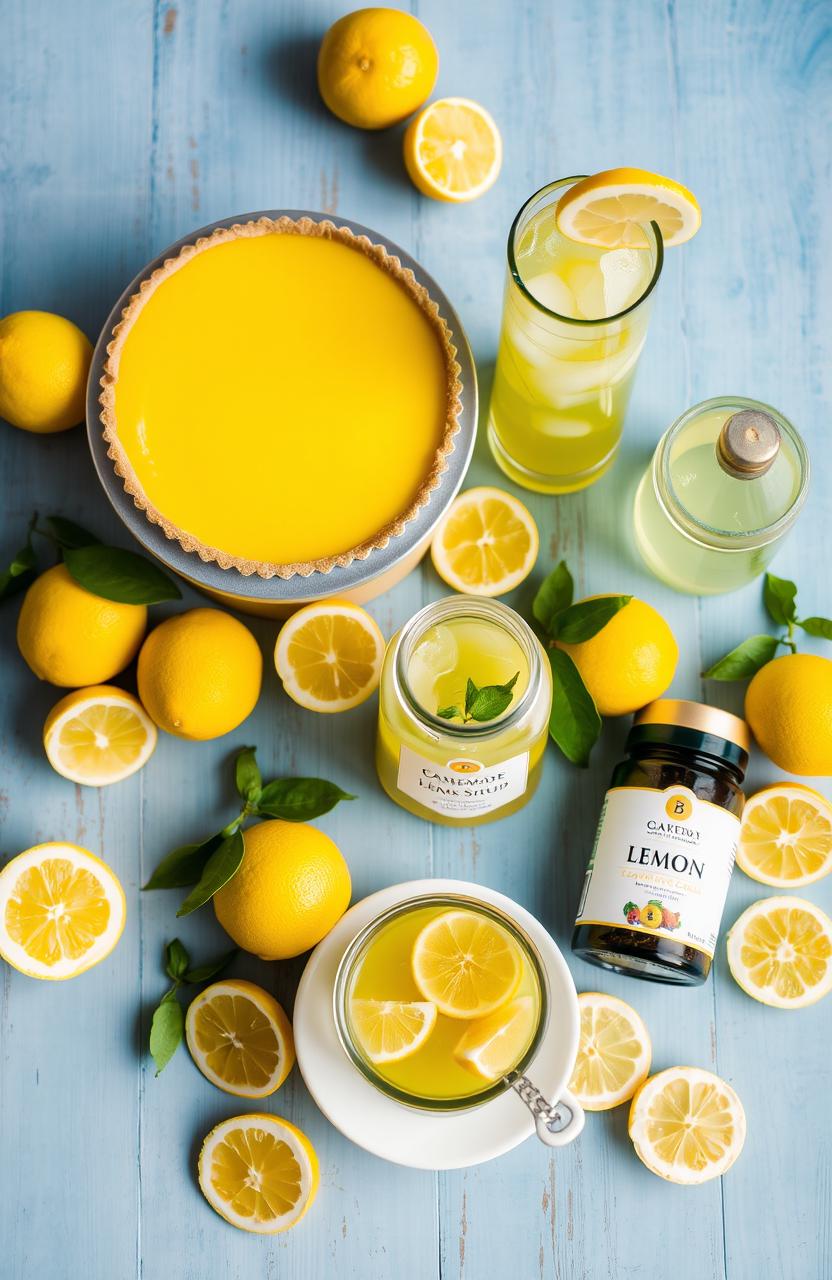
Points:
(612, 210)
(786, 836)
(687, 1125)
(453, 150)
(62, 910)
(492, 1046)
(466, 964)
(389, 1030)
(240, 1038)
(780, 952)
(614, 1052)
(486, 544)
(329, 656)
(98, 735)
(259, 1172)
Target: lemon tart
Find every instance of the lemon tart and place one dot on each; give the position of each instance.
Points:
(281, 397)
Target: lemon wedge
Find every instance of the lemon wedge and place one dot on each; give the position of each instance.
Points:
(389, 1030)
(613, 1055)
(780, 952)
(98, 735)
(240, 1038)
(259, 1172)
(453, 150)
(612, 210)
(492, 1046)
(687, 1125)
(786, 836)
(486, 544)
(466, 964)
(329, 656)
(62, 911)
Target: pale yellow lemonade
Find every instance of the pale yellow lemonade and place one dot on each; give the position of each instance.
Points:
(460, 1056)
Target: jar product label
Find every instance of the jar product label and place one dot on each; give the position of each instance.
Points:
(462, 787)
(661, 864)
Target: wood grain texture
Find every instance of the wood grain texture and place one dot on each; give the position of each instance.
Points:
(126, 125)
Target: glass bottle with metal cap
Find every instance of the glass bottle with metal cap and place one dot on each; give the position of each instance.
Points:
(726, 484)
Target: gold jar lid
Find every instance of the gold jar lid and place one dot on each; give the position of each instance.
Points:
(748, 444)
(696, 715)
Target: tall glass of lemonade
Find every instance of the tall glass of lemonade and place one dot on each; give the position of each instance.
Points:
(575, 319)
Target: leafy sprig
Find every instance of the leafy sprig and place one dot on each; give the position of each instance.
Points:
(482, 703)
(168, 1023)
(780, 601)
(210, 864)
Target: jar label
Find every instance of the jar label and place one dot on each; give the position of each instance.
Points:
(661, 864)
(463, 787)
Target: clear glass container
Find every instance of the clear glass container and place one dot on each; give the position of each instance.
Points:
(438, 767)
(725, 486)
(574, 322)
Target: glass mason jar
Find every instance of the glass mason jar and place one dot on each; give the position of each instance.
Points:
(439, 768)
(726, 484)
(562, 381)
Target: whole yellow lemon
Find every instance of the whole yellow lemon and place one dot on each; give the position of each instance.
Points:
(788, 705)
(44, 363)
(376, 66)
(199, 674)
(629, 662)
(73, 638)
(292, 887)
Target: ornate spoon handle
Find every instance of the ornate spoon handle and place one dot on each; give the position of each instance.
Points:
(556, 1123)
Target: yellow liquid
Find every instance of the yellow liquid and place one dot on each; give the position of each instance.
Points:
(561, 390)
(384, 973)
(281, 397)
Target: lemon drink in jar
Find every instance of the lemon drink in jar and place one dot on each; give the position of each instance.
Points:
(464, 705)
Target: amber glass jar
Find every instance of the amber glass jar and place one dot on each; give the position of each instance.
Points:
(656, 883)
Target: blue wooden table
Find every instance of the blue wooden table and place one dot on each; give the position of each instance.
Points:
(128, 123)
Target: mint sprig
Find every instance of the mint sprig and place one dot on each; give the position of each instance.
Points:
(168, 1024)
(780, 601)
(482, 702)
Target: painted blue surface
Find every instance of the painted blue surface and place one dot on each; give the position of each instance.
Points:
(125, 125)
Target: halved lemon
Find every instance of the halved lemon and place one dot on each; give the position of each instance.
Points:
(492, 1046)
(613, 1055)
(259, 1172)
(613, 209)
(389, 1030)
(98, 735)
(240, 1038)
(466, 964)
(62, 910)
(786, 836)
(780, 952)
(687, 1125)
(329, 655)
(486, 544)
(453, 150)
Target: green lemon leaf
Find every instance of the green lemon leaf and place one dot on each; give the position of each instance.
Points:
(176, 960)
(247, 774)
(779, 599)
(202, 972)
(574, 723)
(817, 627)
(183, 866)
(20, 572)
(166, 1030)
(449, 713)
(554, 595)
(492, 700)
(744, 661)
(299, 799)
(116, 574)
(585, 619)
(69, 534)
(223, 863)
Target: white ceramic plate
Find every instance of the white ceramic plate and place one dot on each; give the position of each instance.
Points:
(387, 1128)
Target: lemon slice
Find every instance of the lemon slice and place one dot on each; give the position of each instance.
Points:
(786, 836)
(466, 964)
(98, 735)
(612, 210)
(259, 1172)
(492, 1046)
(614, 1052)
(329, 656)
(486, 544)
(780, 952)
(62, 910)
(453, 150)
(389, 1030)
(687, 1125)
(240, 1038)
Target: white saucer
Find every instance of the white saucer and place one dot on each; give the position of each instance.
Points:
(387, 1128)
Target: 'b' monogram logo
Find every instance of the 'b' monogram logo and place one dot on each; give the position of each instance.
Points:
(678, 807)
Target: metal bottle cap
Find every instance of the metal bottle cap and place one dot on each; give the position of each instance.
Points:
(748, 444)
